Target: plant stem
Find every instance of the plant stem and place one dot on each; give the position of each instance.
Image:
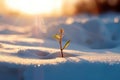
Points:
(60, 43)
(61, 48)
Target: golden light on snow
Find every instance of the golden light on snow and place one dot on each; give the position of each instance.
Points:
(69, 21)
(34, 6)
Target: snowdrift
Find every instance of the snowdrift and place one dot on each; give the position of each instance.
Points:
(30, 53)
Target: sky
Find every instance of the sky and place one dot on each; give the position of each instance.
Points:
(89, 6)
(2, 8)
(67, 7)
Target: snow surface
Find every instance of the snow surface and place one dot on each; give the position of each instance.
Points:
(28, 52)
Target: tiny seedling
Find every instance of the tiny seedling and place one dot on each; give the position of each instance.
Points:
(59, 38)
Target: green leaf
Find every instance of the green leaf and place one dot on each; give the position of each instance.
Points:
(66, 44)
(56, 36)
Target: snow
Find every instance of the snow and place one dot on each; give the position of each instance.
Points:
(28, 52)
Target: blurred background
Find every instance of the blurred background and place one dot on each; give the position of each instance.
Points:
(61, 7)
(97, 6)
(24, 11)
(95, 21)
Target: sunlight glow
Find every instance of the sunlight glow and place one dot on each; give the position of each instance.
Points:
(35, 6)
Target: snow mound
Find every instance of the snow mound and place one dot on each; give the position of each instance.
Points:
(37, 54)
(85, 67)
(31, 53)
(93, 33)
(94, 52)
(99, 36)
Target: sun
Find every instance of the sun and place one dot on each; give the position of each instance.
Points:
(35, 6)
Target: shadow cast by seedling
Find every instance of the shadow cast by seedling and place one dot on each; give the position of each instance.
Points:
(59, 38)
